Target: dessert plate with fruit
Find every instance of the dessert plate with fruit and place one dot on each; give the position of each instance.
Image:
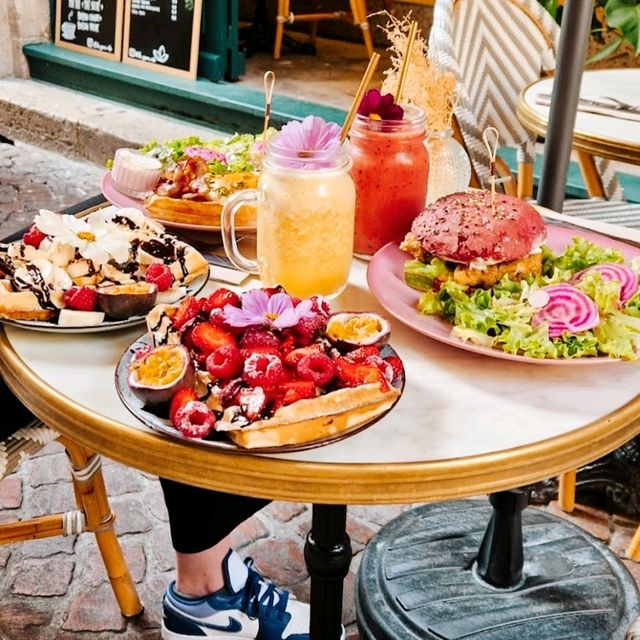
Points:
(260, 370)
(101, 272)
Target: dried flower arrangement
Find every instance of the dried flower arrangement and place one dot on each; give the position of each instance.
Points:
(425, 85)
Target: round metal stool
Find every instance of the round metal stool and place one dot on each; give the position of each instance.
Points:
(422, 577)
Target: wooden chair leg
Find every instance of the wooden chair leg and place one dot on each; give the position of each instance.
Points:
(313, 33)
(359, 12)
(281, 19)
(633, 550)
(92, 500)
(525, 180)
(590, 175)
(567, 491)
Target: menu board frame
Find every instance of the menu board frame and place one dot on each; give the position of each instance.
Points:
(190, 73)
(117, 35)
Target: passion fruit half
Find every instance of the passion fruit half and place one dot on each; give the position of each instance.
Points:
(121, 301)
(156, 374)
(350, 330)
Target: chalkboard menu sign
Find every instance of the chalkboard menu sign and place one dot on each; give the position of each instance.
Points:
(90, 26)
(163, 35)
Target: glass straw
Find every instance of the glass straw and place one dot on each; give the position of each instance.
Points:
(405, 60)
(366, 79)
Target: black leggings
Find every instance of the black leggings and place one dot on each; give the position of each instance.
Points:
(200, 518)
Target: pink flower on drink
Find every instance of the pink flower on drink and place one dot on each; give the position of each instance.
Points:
(205, 154)
(379, 107)
(311, 143)
(260, 309)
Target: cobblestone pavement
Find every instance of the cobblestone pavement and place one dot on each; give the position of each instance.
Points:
(56, 588)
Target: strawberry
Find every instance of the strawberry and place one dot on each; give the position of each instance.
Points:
(224, 362)
(252, 401)
(292, 358)
(309, 329)
(318, 368)
(33, 236)
(160, 275)
(179, 399)
(207, 338)
(258, 337)
(353, 375)
(186, 311)
(219, 299)
(362, 353)
(80, 298)
(396, 365)
(297, 390)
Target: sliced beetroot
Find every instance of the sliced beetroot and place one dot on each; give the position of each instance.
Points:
(568, 310)
(627, 277)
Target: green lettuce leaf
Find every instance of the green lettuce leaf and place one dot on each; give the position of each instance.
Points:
(616, 337)
(420, 275)
(582, 253)
(605, 293)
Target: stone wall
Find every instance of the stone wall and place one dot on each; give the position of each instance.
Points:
(21, 21)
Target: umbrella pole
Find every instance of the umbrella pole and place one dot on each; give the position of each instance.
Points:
(572, 50)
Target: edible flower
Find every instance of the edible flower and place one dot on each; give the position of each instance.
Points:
(94, 239)
(310, 143)
(380, 107)
(258, 309)
(205, 154)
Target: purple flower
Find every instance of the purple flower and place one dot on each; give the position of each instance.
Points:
(259, 309)
(205, 154)
(379, 107)
(310, 144)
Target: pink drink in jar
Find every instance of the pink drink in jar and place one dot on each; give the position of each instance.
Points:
(390, 171)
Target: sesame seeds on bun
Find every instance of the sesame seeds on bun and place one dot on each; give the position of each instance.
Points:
(463, 228)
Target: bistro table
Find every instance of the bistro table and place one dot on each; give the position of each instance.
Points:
(466, 424)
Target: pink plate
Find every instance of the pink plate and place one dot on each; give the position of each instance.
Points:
(122, 200)
(386, 282)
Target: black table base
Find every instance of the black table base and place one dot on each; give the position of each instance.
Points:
(422, 577)
(611, 483)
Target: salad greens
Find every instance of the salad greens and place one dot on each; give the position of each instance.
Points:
(502, 317)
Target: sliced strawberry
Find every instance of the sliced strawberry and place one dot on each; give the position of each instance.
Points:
(292, 358)
(252, 401)
(353, 375)
(207, 338)
(396, 365)
(259, 337)
(219, 299)
(186, 311)
(362, 353)
(179, 399)
(33, 236)
(297, 390)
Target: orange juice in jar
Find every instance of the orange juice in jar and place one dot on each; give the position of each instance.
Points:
(390, 170)
(305, 222)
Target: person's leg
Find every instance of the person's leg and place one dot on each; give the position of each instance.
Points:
(16, 415)
(201, 521)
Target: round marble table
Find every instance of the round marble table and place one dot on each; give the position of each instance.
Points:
(466, 424)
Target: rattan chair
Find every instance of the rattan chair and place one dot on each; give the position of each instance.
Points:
(495, 48)
(357, 16)
(92, 512)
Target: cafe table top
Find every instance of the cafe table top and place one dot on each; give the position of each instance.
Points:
(601, 134)
(465, 424)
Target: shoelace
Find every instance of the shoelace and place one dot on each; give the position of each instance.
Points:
(253, 600)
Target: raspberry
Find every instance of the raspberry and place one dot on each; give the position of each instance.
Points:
(80, 298)
(309, 329)
(194, 419)
(33, 236)
(160, 275)
(225, 362)
(263, 370)
(219, 299)
(262, 340)
(318, 368)
(179, 399)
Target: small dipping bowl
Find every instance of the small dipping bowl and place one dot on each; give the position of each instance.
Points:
(135, 174)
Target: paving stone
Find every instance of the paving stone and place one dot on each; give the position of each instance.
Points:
(10, 492)
(280, 560)
(48, 470)
(48, 499)
(94, 610)
(160, 551)
(284, 511)
(44, 578)
(48, 546)
(155, 501)
(248, 532)
(131, 516)
(23, 620)
(121, 480)
(5, 554)
(93, 572)
(596, 522)
(620, 538)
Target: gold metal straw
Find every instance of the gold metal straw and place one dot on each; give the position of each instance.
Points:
(269, 82)
(366, 79)
(493, 152)
(405, 60)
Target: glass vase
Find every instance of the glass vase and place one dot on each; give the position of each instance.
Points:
(449, 165)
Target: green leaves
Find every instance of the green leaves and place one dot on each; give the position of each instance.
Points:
(624, 15)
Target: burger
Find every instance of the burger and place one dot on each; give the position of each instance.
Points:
(479, 240)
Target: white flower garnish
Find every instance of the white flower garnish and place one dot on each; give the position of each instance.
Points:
(94, 238)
